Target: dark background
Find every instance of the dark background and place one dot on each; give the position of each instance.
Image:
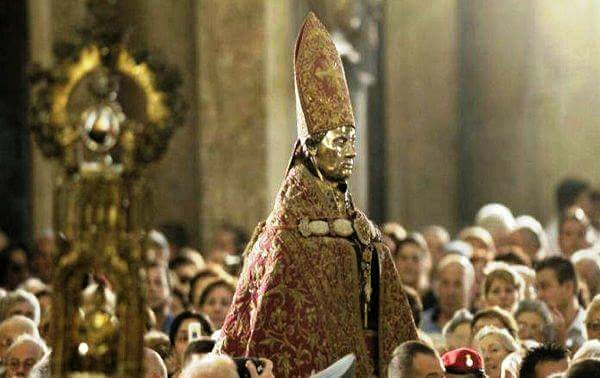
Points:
(15, 155)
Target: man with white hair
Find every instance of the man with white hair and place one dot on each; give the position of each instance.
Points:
(498, 220)
(222, 366)
(20, 302)
(11, 329)
(454, 281)
(435, 237)
(587, 266)
(23, 354)
(154, 366)
(530, 236)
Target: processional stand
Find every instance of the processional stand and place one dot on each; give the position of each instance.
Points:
(103, 112)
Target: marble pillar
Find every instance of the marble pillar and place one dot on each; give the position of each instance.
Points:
(421, 128)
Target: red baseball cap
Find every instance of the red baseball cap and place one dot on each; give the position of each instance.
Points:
(462, 361)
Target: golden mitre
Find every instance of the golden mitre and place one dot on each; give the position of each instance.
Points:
(322, 96)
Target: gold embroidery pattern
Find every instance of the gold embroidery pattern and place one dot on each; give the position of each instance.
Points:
(321, 89)
(298, 298)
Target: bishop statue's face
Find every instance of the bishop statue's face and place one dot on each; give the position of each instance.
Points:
(335, 153)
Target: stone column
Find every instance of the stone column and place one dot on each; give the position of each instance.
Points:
(498, 160)
(247, 121)
(167, 28)
(40, 41)
(421, 87)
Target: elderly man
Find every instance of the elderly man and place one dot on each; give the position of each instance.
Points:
(154, 366)
(498, 220)
(159, 295)
(435, 237)
(454, 281)
(587, 266)
(23, 354)
(20, 302)
(415, 359)
(12, 328)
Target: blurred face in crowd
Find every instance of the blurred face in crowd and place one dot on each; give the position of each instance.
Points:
(526, 240)
(549, 290)
(435, 240)
(452, 288)
(217, 305)
(9, 331)
(22, 308)
(486, 321)
(182, 337)
(531, 326)
(20, 359)
(503, 294)
(493, 353)
(589, 272)
(184, 274)
(592, 325)
(460, 337)
(157, 286)
(409, 261)
(572, 237)
(426, 366)
(18, 269)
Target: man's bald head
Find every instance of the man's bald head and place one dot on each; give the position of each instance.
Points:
(154, 366)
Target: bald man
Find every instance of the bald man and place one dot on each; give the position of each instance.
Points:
(23, 354)
(154, 366)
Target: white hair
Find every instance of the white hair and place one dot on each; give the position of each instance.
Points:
(154, 364)
(510, 365)
(33, 285)
(508, 342)
(478, 233)
(527, 222)
(20, 296)
(463, 262)
(41, 369)
(592, 307)
(589, 349)
(591, 254)
(459, 247)
(24, 339)
(22, 321)
(209, 366)
(496, 218)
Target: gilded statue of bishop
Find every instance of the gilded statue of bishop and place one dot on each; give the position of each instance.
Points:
(318, 283)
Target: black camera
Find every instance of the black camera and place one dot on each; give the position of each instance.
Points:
(240, 363)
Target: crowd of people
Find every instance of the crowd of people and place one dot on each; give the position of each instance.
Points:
(504, 298)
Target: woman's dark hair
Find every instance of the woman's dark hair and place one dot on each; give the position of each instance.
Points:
(179, 319)
(197, 278)
(568, 191)
(212, 286)
(5, 260)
